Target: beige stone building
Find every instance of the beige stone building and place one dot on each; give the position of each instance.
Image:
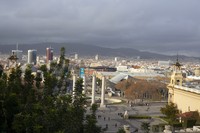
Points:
(197, 71)
(187, 98)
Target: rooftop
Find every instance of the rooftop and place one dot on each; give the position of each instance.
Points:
(194, 89)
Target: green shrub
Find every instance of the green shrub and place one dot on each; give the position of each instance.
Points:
(189, 123)
(139, 117)
(158, 128)
(177, 124)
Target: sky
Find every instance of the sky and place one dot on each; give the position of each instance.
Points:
(162, 26)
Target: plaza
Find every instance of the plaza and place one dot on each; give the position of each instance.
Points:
(111, 117)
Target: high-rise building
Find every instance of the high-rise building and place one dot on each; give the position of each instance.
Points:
(116, 59)
(32, 56)
(18, 54)
(97, 57)
(76, 56)
(49, 54)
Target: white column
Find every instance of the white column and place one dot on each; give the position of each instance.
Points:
(74, 84)
(93, 88)
(84, 85)
(103, 92)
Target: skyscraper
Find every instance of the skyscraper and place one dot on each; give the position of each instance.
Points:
(76, 56)
(97, 57)
(32, 56)
(18, 54)
(49, 54)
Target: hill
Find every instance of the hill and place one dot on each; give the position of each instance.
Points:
(86, 50)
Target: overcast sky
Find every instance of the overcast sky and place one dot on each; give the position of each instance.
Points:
(167, 26)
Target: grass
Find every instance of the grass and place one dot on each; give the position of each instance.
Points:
(139, 117)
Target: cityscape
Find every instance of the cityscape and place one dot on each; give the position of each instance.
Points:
(99, 66)
(127, 93)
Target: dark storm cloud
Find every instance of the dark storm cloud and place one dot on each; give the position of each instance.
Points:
(155, 25)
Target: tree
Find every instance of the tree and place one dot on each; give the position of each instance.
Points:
(22, 111)
(11, 107)
(38, 80)
(1, 70)
(62, 56)
(43, 68)
(90, 126)
(3, 87)
(142, 89)
(62, 71)
(121, 130)
(171, 111)
(99, 81)
(14, 81)
(50, 82)
(28, 85)
(10, 89)
(145, 127)
(79, 101)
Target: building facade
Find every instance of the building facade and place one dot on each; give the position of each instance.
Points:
(49, 54)
(187, 98)
(18, 54)
(32, 56)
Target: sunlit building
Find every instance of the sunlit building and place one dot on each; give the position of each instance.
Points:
(185, 95)
(32, 56)
(49, 54)
(97, 57)
(76, 56)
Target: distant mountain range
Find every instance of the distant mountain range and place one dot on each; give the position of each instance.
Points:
(88, 50)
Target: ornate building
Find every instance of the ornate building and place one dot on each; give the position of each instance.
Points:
(187, 98)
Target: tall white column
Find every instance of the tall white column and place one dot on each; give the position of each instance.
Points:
(74, 84)
(103, 92)
(93, 88)
(84, 85)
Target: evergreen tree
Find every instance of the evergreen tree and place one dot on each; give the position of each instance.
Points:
(121, 130)
(145, 127)
(23, 121)
(62, 56)
(90, 126)
(50, 82)
(171, 111)
(11, 107)
(78, 107)
(27, 92)
(43, 68)
(1, 70)
(38, 80)
(3, 87)
(14, 81)
(22, 111)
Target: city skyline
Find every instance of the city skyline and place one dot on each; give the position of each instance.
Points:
(157, 26)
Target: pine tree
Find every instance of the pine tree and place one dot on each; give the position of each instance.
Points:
(171, 111)
(145, 127)
(38, 80)
(90, 126)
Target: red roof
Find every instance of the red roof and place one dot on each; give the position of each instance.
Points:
(191, 114)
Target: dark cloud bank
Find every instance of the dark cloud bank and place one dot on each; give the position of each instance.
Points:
(162, 26)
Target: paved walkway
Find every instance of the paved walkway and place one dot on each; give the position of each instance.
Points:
(110, 118)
